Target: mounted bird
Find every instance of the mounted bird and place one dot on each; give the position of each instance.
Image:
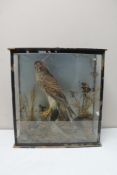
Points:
(54, 93)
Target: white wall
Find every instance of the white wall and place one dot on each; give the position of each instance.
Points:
(59, 23)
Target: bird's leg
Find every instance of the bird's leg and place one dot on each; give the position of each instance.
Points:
(46, 113)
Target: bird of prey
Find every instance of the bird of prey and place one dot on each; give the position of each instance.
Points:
(53, 92)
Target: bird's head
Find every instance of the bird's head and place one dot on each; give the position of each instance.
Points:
(39, 66)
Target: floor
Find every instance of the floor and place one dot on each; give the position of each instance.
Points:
(59, 161)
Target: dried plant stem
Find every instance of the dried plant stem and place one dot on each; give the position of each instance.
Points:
(33, 95)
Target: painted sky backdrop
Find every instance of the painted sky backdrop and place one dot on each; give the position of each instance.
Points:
(69, 69)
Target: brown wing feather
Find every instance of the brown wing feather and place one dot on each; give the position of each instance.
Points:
(52, 87)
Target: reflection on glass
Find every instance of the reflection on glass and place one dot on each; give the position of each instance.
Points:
(57, 97)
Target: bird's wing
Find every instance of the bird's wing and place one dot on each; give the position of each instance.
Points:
(52, 88)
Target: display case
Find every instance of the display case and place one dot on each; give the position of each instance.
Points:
(57, 96)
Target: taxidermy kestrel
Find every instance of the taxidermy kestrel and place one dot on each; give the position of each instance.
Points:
(53, 91)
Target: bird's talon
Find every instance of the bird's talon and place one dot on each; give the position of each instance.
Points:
(45, 113)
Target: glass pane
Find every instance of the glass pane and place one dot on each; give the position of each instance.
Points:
(57, 97)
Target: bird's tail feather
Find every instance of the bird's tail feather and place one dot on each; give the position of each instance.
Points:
(65, 112)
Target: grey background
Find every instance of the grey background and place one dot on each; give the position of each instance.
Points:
(69, 69)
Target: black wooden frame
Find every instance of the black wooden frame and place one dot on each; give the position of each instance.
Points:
(56, 50)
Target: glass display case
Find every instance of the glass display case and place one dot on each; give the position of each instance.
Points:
(57, 96)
